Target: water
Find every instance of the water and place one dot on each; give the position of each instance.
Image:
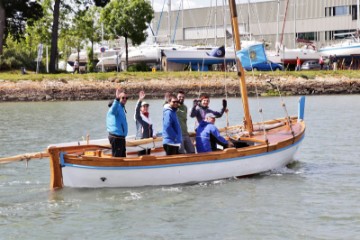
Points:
(316, 197)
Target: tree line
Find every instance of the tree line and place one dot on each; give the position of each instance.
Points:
(64, 25)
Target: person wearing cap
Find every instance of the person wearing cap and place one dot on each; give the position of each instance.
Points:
(201, 108)
(187, 145)
(144, 125)
(172, 137)
(208, 136)
(116, 124)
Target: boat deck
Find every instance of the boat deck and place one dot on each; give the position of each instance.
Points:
(273, 136)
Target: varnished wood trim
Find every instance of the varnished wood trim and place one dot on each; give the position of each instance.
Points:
(55, 168)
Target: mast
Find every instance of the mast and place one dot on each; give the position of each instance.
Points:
(277, 28)
(215, 22)
(224, 15)
(169, 20)
(283, 27)
(234, 22)
(295, 23)
(358, 18)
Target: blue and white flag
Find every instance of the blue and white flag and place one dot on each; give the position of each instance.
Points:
(218, 52)
(252, 55)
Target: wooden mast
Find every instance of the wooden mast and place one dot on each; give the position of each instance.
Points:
(236, 35)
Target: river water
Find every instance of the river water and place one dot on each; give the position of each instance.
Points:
(316, 197)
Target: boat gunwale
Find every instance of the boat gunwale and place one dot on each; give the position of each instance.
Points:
(74, 159)
(213, 161)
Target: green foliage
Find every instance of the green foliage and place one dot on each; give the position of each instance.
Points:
(16, 55)
(128, 18)
(272, 92)
(20, 13)
(90, 64)
(141, 67)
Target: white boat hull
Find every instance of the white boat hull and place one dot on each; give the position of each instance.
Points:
(341, 51)
(288, 56)
(99, 177)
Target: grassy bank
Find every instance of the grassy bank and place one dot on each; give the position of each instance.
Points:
(100, 86)
(122, 76)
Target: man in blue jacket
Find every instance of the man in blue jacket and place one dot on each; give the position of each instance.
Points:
(172, 136)
(208, 136)
(116, 124)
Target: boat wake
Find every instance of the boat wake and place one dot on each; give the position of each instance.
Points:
(294, 167)
(134, 196)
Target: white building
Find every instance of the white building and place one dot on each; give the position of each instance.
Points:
(320, 21)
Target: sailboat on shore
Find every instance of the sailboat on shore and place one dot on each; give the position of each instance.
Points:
(259, 147)
(288, 56)
(349, 46)
(346, 48)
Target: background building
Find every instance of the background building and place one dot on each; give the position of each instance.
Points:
(321, 21)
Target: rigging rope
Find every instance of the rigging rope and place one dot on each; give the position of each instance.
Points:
(260, 110)
(158, 26)
(284, 107)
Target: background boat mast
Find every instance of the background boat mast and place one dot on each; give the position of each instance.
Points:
(169, 20)
(234, 22)
(358, 19)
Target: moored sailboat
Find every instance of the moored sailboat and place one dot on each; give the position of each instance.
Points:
(258, 148)
(346, 48)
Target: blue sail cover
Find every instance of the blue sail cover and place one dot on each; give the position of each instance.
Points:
(252, 55)
(218, 52)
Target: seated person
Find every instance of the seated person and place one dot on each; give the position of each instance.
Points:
(208, 136)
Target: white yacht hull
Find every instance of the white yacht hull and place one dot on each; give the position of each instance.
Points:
(341, 50)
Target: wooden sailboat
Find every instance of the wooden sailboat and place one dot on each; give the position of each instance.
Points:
(265, 146)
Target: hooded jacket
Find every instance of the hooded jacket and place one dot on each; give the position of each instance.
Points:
(171, 127)
(207, 136)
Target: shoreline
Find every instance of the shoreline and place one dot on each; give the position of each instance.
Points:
(85, 89)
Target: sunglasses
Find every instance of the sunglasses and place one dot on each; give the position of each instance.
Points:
(125, 98)
(175, 101)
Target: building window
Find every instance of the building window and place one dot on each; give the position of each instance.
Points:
(354, 12)
(328, 35)
(311, 36)
(341, 11)
(340, 34)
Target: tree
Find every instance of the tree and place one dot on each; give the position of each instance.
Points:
(128, 18)
(55, 26)
(87, 28)
(14, 16)
(54, 37)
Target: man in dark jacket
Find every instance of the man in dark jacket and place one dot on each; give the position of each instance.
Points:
(201, 108)
(208, 136)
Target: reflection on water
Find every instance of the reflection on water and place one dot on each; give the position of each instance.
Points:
(283, 204)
